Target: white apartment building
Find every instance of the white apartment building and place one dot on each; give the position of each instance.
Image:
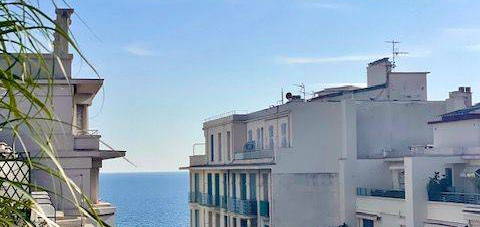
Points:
(77, 147)
(315, 162)
(454, 155)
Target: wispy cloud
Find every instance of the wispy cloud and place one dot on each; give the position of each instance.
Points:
(474, 47)
(461, 31)
(316, 60)
(350, 58)
(139, 50)
(322, 4)
(330, 85)
(327, 5)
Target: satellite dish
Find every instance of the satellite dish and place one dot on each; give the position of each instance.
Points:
(289, 95)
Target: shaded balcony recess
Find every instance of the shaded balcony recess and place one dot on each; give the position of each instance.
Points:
(455, 197)
(385, 193)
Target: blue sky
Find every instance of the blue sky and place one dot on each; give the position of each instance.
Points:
(169, 64)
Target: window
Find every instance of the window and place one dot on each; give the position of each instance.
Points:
(81, 118)
(243, 186)
(261, 137)
(228, 146)
(367, 223)
(449, 176)
(217, 191)
(250, 135)
(258, 139)
(225, 221)
(196, 182)
(210, 219)
(197, 218)
(209, 184)
(284, 135)
(234, 222)
(225, 185)
(234, 186)
(243, 223)
(265, 186)
(271, 142)
(212, 149)
(217, 220)
(253, 187)
(219, 138)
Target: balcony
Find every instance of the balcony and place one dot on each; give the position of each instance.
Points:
(255, 154)
(396, 194)
(202, 199)
(198, 160)
(264, 209)
(242, 207)
(206, 200)
(239, 206)
(86, 142)
(454, 197)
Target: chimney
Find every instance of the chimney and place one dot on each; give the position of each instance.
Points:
(460, 99)
(377, 72)
(63, 21)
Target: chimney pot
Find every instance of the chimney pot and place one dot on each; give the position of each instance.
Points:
(468, 89)
(62, 25)
(461, 89)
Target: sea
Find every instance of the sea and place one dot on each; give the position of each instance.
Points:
(147, 199)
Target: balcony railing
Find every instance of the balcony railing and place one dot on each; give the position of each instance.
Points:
(256, 154)
(203, 199)
(86, 142)
(264, 208)
(239, 206)
(454, 197)
(243, 207)
(397, 194)
(198, 160)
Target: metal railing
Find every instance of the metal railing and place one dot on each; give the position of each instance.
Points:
(202, 199)
(264, 208)
(454, 197)
(256, 154)
(387, 193)
(226, 114)
(239, 206)
(207, 200)
(15, 174)
(243, 207)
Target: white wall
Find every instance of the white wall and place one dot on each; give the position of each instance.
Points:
(407, 86)
(394, 125)
(316, 139)
(457, 134)
(305, 199)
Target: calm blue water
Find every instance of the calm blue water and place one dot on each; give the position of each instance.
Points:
(147, 199)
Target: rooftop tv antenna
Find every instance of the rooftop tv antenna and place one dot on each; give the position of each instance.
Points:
(302, 90)
(395, 51)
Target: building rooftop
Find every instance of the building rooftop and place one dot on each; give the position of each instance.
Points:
(459, 115)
